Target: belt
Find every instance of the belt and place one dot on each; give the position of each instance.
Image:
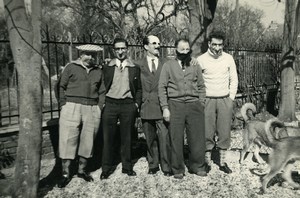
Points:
(119, 101)
(217, 97)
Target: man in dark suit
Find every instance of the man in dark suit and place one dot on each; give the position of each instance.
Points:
(154, 127)
(122, 101)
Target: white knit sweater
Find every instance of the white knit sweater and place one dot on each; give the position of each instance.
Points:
(220, 75)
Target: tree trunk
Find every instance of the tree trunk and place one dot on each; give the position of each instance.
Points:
(290, 33)
(201, 14)
(23, 23)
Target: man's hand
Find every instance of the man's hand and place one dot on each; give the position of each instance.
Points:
(194, 61)
(166, 115)
(137, 107)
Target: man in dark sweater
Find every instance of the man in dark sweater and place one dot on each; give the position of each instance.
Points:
(123, 99)
(81, 94)
(181, 92)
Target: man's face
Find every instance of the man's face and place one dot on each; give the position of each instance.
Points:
(88, 58)
(216, 46)
(183, 47)
(120, 50)
(153, 46)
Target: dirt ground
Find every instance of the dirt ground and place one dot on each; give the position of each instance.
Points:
(241, 183)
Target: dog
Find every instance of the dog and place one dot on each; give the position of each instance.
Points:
(285, 151)
(254, 132)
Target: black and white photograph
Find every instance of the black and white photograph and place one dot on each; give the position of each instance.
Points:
(149, 98)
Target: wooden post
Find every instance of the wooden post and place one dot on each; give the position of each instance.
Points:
(289, 46)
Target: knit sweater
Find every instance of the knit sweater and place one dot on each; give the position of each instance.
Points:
(220, 75)
(181, 86)
(79, 85)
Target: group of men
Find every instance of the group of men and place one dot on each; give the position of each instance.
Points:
(172, 97)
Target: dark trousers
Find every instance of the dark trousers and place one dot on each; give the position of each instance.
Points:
(158, 144)
(189, 116)
(126, 113)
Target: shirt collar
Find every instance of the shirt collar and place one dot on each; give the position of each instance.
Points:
(117, 62)
(213, 55)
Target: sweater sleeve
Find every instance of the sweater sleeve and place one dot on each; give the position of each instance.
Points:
(63, 83)
(102, 92)
(201, 84)
(233, 80)
(163, 86)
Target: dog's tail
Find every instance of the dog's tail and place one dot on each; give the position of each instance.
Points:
(270, 126)
(247, 111)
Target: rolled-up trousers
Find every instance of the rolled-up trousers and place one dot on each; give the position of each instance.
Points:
(78, 127)
(189, 116)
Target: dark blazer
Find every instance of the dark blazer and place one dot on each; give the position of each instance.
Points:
(150, 108)
(134, 78)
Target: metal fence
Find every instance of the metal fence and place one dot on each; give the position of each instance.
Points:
(255, 68)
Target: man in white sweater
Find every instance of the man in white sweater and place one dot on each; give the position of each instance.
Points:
(221, 81)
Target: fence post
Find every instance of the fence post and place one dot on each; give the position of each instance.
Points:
(70, 46)
(0, 112)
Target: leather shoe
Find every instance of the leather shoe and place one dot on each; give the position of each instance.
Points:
(129, 172)
(199, 173)
(225, 169)
(153, 171)
(168, 174)
(105, 175)
(85, 176)
(64, 181)
(178, 176)
(207, 168)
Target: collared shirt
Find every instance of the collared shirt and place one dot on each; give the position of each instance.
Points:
(180, 64)
(120, 85)
(149, 60)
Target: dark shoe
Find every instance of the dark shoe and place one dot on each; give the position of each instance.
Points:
(199, 173)
(168, 174)
(153, 171)
(64, 181)
(225, 169)
(207, 168)
(105, 175)
(85, 176)
(178, 176)
(129, 172)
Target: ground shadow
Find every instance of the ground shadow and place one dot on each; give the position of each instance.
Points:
(47, 183)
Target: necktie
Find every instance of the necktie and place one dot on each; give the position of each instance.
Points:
(121, 67)
(153, 68)
(182, 65)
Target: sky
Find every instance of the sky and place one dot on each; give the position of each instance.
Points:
(273, 10)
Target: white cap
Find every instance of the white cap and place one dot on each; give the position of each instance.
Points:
(89, 48)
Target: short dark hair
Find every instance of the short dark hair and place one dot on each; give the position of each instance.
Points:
(181, 39)
(217, 34)
(120, 40)
(146, 40)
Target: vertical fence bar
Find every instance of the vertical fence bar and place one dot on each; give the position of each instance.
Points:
(70, 47)
(8, 98)
(0, 111)
(18, 95)
(49, 66)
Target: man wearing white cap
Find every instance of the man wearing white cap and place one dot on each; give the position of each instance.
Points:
(81, 93)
